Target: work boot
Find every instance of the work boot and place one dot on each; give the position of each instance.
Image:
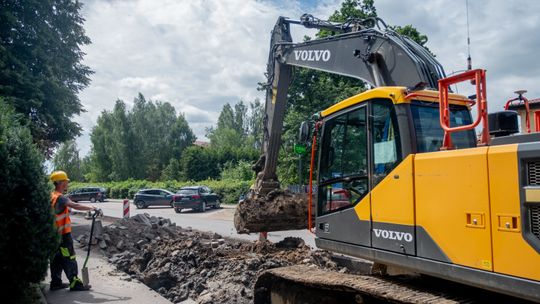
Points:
(80, 287)
(77, 285)
(58, 286)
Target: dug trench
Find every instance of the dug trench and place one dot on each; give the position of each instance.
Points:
(181, 263)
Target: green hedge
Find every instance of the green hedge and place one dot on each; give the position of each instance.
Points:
(28, 237)
(228, 190)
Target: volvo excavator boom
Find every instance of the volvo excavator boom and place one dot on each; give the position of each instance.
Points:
(366, 49)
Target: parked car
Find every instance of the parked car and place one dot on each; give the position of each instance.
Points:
(196, 198)
(92, 194)
(153, 197)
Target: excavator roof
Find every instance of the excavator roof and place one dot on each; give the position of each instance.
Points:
(397, 95)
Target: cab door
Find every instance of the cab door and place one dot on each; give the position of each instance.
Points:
(392, 192)
(343, 182)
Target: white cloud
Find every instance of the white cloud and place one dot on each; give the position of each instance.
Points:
(197, 55)
(504, 39)
(200, 54)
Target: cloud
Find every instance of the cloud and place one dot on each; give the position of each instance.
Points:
(504, 39)
(199, 55)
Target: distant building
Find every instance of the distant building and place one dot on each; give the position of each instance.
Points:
(201, 143)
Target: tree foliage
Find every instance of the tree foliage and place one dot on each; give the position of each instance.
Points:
(236, 140)
(28, 237)
(40, 66)
(67, 159)
(238, 127)
(198, 163)
(138, 143)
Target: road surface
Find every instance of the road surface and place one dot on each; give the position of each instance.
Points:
(219, 221)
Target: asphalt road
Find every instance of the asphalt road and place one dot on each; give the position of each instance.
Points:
(219, 221)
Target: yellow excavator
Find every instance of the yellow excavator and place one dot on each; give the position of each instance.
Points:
(400, 176)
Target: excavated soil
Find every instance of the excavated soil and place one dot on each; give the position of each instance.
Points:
(279, 210)
(181, 263)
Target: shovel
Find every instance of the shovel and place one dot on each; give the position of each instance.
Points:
(85, 277)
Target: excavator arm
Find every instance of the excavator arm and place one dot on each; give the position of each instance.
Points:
(364, 49)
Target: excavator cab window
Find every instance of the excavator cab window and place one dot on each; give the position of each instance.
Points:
(429, 134)
(343, 171)
(385, 138)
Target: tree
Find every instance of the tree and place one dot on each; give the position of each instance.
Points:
(198, 163)
(239, 171)
(67, 159)
(40, 66)
(255, 122)
(100, 152)
(28, 237)
(138, 143)
(238, 126)
(122, 149)
(411, 32)
(240, 113)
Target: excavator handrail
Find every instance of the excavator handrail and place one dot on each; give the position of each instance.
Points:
(479, 78)
(527, 109)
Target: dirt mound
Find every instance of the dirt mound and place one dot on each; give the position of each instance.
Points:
(181, 263)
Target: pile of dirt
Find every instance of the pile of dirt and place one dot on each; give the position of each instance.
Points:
(277, 211)
(181, 263)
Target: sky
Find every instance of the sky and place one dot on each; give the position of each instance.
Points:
(200, 54)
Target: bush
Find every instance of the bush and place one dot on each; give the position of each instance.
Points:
(28, 237)
(229, 190)
(239, 171)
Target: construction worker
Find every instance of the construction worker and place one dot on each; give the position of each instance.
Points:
(64, 259)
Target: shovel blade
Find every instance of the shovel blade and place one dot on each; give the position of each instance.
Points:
(85, 277)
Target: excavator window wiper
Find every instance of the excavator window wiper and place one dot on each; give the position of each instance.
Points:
(348, 178)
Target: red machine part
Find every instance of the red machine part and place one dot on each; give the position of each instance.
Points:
(527, 109)
(478, 76)
(311, 167)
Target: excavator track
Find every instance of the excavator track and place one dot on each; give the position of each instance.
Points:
(305, 284)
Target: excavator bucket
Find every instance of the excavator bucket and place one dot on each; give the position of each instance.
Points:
(277, 211)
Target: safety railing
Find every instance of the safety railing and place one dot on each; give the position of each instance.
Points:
(525, 101)
(478, 78)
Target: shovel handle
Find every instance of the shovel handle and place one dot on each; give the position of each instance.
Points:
(98, 211)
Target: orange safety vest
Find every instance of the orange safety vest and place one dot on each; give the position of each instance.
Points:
(62, 220)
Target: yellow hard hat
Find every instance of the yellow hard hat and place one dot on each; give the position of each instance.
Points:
(57, 176)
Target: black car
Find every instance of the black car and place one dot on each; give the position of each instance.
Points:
(153, 197)
(196, 198)
(92, 194)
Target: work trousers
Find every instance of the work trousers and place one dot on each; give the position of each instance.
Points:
(64, 259)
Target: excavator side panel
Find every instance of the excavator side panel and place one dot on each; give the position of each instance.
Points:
(512, 254)
(392, 210)
(452, 206)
